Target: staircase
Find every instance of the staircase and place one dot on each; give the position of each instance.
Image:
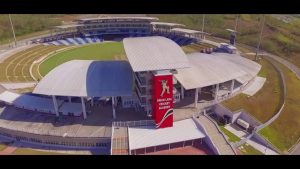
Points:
(119, 141)
(216, 137)
(120, 138)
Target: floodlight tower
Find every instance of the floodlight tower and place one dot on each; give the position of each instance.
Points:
(12, 27)
(233, 32)
(260, 36)
(203, 22)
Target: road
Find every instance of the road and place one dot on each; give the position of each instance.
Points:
(286, 63)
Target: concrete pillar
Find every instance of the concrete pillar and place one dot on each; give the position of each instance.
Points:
(92, 101)
(83, 108)
(232, 86)
(55, 105)
(69, 97)
(182, 92)
(113, 107)
(196, 97)
(216, 91)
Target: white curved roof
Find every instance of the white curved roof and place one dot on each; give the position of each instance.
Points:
(88, 78)
(154, 53)
(210, 69)
(149, 136)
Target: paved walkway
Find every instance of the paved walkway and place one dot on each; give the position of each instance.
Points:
(5, 53)
(296, 150)
(265, 150)
(286, 63)
(18, 85)
(257, 84)
(216, 137)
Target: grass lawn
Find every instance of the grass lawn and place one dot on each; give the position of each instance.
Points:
(188, 49)
(2, 147)
(103, 51)
(232, 138)
(269, 95)
(28, 151)
(247, 149)
(285, 130)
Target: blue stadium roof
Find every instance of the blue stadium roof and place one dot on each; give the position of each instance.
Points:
(88, 78)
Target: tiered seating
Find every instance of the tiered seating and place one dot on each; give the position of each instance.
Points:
(72, 41)
(55, 43)
(85, 40)
(29, 102)
(89, 40)
(73, 109)
(80, 40)
(36, 103)
(64, 42)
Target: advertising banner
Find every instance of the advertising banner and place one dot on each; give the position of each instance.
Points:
(162, 100)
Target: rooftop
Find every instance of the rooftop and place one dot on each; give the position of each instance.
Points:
(120, 17)
(210, 69)
(154, 53)
(88, 78)
(148, 136)
(166, 23)
(189, 31)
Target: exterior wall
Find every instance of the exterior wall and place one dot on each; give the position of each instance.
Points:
(221, 111)
(207, 139)
(55, 140)
(164, 147)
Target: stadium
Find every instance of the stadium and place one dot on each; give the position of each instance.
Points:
(150, 89)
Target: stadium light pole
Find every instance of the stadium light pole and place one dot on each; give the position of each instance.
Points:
(236, 22)
(13, 31)
(260, 36)
(203, 22)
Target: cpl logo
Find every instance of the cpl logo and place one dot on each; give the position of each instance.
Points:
(165, 87)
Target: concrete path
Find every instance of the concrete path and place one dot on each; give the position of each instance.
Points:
(18, 85)
(257, 84)
(5, 53)
(296, 150)
(265, 150)
(216, 137)
(286, 63)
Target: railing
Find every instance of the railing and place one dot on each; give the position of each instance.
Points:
(214, 147)
(220, 131)
(133, 123)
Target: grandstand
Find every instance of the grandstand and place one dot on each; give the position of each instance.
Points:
(95, 30)
(77, 102)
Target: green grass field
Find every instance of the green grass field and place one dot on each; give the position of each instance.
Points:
(28, 151)
(269, 95)
(2, 147)
(103, 51)
(285, 130)
(231, 137)
(247, 149)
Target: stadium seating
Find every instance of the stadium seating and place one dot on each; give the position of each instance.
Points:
(73, 109)
(97, 37)
(71, 41)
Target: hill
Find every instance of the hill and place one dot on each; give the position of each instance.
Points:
(281, 33)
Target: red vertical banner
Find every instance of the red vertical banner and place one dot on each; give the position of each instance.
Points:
(162, 98)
